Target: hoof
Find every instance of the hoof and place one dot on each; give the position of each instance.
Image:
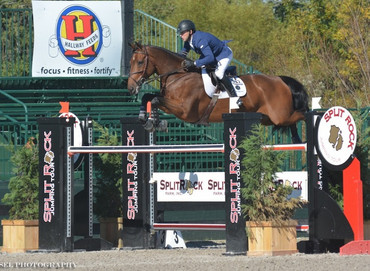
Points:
(149, 125)
(162, 126)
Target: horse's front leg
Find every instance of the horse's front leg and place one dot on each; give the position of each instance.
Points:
(160, 125)
(147, 97)
(152, 123)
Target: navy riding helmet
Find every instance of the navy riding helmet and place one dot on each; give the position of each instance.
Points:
(185, 25)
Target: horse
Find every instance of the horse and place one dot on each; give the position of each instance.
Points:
(282, 100)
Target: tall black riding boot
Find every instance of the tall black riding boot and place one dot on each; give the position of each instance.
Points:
(230, 89)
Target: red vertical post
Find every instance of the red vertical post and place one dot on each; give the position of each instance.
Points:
(352, 199)
(149, 109)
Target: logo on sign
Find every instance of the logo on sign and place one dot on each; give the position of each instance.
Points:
(337, 136)
(49, 178)
(79, 35)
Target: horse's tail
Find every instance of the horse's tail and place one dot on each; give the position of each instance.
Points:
(299, 94)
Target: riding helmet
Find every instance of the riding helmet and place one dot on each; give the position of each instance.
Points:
(185, 25)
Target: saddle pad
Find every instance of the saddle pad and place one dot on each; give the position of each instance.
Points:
(210, 88)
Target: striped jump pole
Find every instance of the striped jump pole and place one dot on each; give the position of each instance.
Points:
(174, 148)
(147, 149)
(286, 147)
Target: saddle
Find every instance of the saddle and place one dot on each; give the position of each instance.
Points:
(229, 72)
(232, 74)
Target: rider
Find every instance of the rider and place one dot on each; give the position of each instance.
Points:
(212, 52)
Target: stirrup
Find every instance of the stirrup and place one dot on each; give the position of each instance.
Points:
(239, 102)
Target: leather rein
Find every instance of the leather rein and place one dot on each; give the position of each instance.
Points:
(144, 77)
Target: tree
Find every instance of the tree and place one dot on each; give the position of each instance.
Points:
(264, 200)
(16, 4)
(108, 166)
(327, 49)
(24, 186)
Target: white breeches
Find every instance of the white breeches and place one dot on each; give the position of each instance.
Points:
(222, 65)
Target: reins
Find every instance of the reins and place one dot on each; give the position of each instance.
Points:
(144, 80)
(158, 77)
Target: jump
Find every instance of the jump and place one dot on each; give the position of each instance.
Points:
(282, 100)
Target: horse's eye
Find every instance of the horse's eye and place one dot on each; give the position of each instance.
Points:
(140, 63)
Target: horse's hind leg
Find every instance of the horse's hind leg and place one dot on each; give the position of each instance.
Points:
(294, 132)
(296, 116)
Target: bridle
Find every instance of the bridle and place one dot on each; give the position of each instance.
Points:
(144, 77)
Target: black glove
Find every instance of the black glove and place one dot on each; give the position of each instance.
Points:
(186, 64)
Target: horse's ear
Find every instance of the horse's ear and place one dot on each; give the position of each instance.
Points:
(132, 45)
(138, 44)
(135, 46)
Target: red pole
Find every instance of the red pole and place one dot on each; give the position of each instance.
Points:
(149, 109)
(352, 199)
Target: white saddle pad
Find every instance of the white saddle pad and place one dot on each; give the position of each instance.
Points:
(210, 89)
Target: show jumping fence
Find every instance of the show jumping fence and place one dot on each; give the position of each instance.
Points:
(328, 225)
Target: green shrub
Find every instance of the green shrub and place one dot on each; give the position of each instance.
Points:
(263, 200)
(23, 195)
(108, 172)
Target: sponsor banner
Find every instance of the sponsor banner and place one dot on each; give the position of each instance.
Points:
(77, 38)
(336, 137)
(190, 186)
(210, 186)
(297, 179)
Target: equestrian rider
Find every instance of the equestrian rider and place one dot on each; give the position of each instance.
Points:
(212, 52)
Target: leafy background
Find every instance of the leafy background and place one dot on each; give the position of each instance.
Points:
(322, 43)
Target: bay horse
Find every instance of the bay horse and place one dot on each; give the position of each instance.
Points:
(282, 100)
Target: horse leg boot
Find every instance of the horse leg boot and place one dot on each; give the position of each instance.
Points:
(160, 125)
(228, 86)
(142, 114)
(147, 97)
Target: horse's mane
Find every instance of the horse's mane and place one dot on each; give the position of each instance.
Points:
(174, 54)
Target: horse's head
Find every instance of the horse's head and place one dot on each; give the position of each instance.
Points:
(147, 60)
(141, 68)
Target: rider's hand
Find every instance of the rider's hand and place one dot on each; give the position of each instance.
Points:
(186, 64)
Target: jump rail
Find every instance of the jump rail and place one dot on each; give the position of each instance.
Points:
(147, 149)
(189, 226)
(287, 147)
(173, 148)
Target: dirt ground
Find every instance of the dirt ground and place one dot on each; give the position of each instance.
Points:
(191, 258)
